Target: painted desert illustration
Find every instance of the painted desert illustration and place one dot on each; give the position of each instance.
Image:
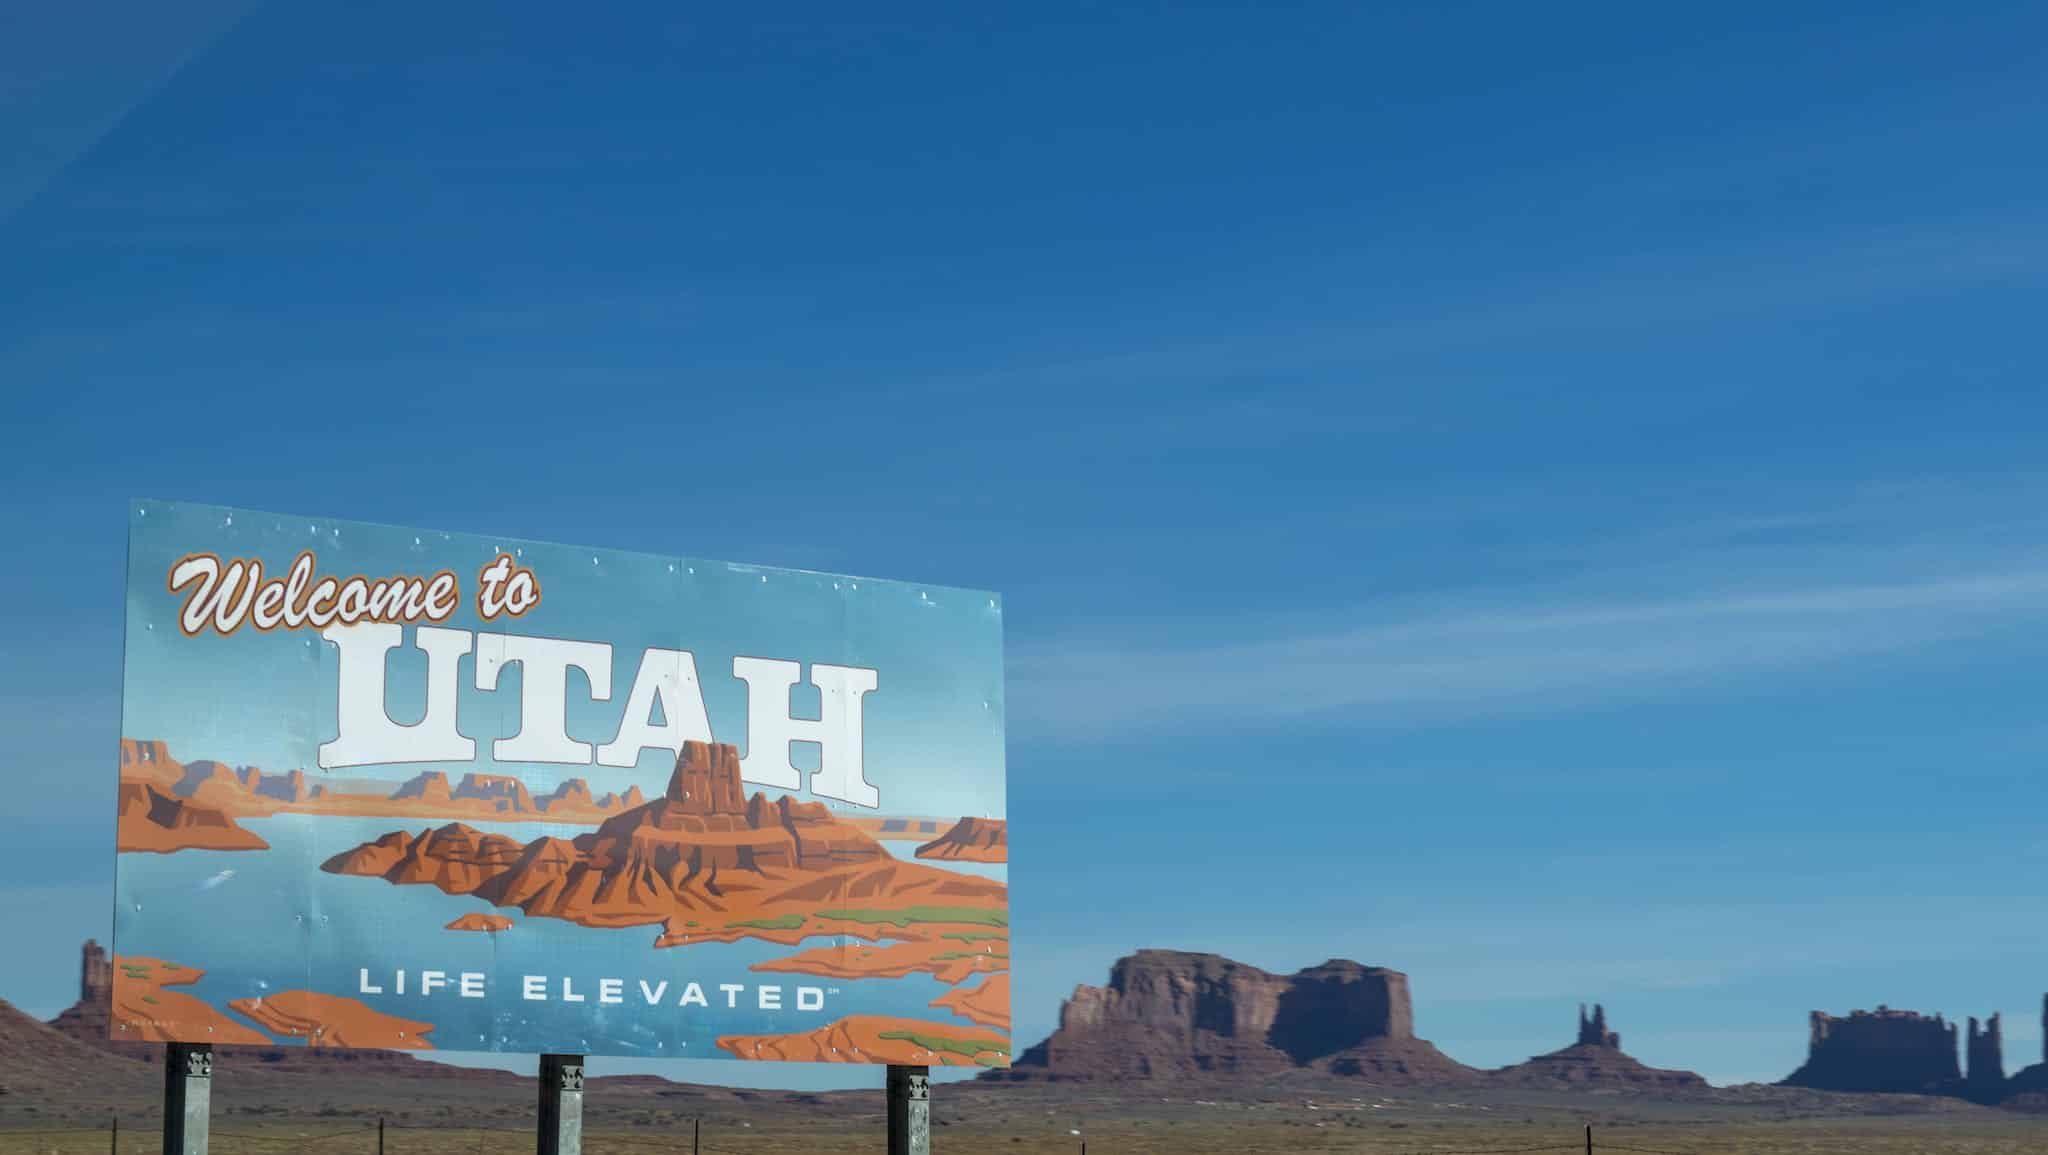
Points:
(700, 884)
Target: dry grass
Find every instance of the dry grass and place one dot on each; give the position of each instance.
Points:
(1924, 1135)
(259, 1111)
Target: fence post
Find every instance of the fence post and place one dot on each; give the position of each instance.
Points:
(696, 1129)
(380, 1135)
(1589, 1139)
(114, 1135)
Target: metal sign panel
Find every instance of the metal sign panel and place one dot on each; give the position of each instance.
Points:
(394, 788)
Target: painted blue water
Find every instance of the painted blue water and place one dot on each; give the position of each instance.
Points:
(999, 871)
(262, 922)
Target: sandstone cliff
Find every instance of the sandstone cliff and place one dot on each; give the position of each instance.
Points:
(1984, 1054)
(1175, 1015)
(1883, 1051)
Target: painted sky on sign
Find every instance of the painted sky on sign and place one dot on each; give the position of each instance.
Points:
(1546, 499)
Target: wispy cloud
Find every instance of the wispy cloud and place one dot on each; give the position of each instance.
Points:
(72, 83)
(1515, 654)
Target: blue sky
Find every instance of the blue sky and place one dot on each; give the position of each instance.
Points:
(1549, 500)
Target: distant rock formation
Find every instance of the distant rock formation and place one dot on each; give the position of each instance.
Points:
(1984, 1056)
(1596, 1061)
(1593, 1031)
(971, 840)
(95, 973)
(2027, 1090)
(88, 1019)
(1169, 1015)
(1899, 1052)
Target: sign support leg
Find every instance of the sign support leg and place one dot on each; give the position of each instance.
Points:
(910, 1110)
(561, 1105)
(188, 1097)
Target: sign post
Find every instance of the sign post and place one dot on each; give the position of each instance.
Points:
(561, 1105)
(188, 1097)
(910, 1110)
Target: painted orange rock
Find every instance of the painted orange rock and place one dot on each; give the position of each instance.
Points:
(149, 761)
(157, 822)
(146, 1010)
(334, 1021)
(253, 792)
(878, 1039)
(490, 923)
(971, 840)
(480, 809)
(216, 786)
(900, 829)
(987, 1004)
(496, 797)
(204, 785)
(703, 861)
(946, 952)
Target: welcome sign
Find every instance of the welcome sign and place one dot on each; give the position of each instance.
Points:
(393, 788)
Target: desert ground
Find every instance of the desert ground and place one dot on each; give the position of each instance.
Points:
(258, 1112)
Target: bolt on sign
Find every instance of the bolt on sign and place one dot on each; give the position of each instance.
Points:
(398, 788)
